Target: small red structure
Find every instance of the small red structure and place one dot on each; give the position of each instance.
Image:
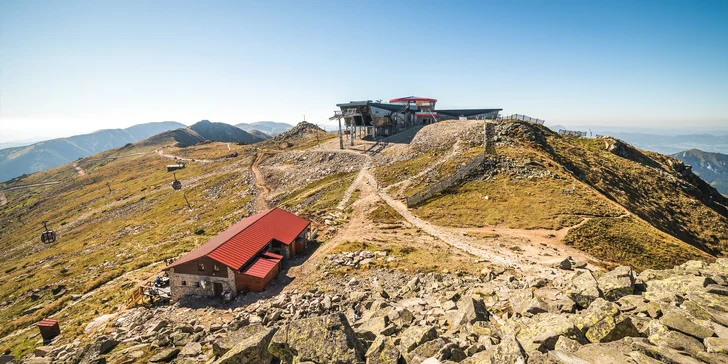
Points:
(49, 329)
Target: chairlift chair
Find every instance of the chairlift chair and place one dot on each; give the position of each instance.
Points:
(176, 184)
(48, 236)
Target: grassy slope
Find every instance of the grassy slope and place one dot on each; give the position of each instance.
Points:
(678, 208)
(633, 242)
(678, 216)
(102, 235)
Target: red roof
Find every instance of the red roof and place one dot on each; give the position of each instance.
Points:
(412, 98)
(261, 267)
(237, 245)
(47, 322)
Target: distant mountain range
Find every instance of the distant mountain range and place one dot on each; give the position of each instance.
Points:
(205, 130)
(711, 167)
(55, 152)
(665, 144)
(268, 127)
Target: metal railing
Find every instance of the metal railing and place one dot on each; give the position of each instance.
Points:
(446, 183)
(521, 118)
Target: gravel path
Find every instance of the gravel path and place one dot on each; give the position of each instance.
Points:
(262, 198)
(434, 231)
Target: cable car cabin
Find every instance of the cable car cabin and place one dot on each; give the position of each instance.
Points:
(176, 185)
(48, 237)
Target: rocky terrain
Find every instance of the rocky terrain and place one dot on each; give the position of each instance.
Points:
(367, 313)
(541, 254)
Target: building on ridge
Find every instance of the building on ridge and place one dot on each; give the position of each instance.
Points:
(377, 119)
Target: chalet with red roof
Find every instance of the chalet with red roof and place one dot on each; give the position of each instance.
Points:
(243, 258)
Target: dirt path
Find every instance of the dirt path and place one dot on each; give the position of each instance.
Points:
(78, 169)
(228, 146)
(262, 198)
(33, 185)
(354, 184)
(436, 232)
(3, 199)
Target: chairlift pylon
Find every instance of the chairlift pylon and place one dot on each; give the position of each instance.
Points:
(48, 236)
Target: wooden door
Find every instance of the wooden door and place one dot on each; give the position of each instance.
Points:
(217, 289)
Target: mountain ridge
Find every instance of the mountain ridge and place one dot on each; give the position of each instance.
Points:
(51, 153)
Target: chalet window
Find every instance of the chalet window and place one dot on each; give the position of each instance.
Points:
(201, 267)
(197, 284)
(215, 268)
(184, 283)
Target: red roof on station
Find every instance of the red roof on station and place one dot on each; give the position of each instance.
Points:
(412, 98)
(261, 267)
(46, 322)
(235, 246)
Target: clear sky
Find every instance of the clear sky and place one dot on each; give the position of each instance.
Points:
(68, 67)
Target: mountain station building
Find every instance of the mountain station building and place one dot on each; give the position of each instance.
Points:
(383, 119)
(243, 258)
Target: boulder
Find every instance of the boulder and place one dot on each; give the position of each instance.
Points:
(416, 336)
(666, 289)
(223, 344)
(42, 351)
(165, 355)
(92, 351)
(617, 283)
(427, 350)
(585, 289)
(324, 339)
(664, 354)
(603, 322)
(471, 309)
(191, 349)
(508, 351)
(566, 345)
(543, 330)
(660, 335)
(616, 352)
(251, 349)
(716, 345)
(383, 351)
(680, 321)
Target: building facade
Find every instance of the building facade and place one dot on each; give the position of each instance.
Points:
(377, 119)
(244, 258)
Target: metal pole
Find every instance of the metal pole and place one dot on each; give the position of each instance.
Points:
(341, 136)
(188, 202)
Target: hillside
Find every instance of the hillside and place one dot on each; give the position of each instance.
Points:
(52, 153)
(495, 235)
(711, 167)
(524, 187)
(268, 127)
(204, 130)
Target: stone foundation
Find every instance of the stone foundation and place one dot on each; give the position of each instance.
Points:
(178, 290)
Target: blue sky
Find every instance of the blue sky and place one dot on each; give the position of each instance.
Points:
(68, 67)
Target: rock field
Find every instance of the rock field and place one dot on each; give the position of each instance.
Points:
(360, 313)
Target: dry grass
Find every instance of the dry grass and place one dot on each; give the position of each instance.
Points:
(514, 203)
(631, 241)
(637, 184)
(384, 214)
(402, 170)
